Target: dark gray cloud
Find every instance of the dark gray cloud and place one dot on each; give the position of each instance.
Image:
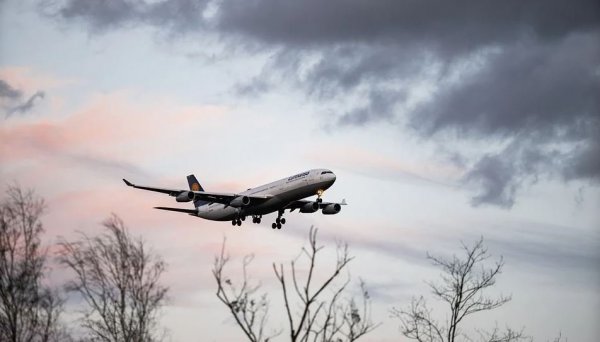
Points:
(8, 92)
(524, 74)
(452, 26)
(11, 99)
(584, 161)
(524, 87)
(27, 105)
(536, 95)
(100, 15)
(498, 176)
(379, 106)
(536, 86)
(495, 178)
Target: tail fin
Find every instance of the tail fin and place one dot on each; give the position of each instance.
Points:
(195, 186)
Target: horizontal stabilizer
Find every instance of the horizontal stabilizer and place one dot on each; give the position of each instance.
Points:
(187, 211)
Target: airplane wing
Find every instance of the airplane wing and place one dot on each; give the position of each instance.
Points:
(179, 210)
(208, 196)
(299, 204)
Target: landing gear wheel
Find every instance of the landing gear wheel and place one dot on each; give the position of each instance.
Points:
(239, 222)
(277, 220)
(274, 225)
(233, 223)
(243, 218)
(282, 220)
(256, 218)
(278, 225)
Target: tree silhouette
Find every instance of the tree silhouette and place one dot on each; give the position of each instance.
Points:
(29, 311)
(462, 286)
(118, 277)
(314, 310)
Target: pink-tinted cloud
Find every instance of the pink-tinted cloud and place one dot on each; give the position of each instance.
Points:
(30, 81)
(109, 126)
(110, 137)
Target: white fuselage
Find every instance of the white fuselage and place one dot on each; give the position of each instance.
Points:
(281, 193)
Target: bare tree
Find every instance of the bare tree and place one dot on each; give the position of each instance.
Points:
(118, 277)
(29, 311)
(315, 311)
(463, 283)
(560, 338)
(249, 309)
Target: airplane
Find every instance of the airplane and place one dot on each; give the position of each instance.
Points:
(284, 194)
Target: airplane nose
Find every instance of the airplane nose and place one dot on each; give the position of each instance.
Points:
(332, 177)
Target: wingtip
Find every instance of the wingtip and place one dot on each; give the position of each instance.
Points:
(127, 182)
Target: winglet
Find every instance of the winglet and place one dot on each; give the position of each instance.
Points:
(127, 182)
(344, 202)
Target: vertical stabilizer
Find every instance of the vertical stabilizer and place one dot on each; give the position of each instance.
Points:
(195, 186)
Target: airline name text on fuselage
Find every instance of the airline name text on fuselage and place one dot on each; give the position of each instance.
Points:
(300, 175)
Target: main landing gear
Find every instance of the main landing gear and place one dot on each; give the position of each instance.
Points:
(238, 221)
(279, 221)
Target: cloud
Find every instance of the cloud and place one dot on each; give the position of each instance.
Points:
(101, 16)
(546, 247)
(522, 87)
(27, 105)
(508, 73)
(28, 80)
(435, 23)
(6, 91)
(379, 106)
(11, 99)
(539, 99)
(97, 135)
(514, 73)
(498, 176)
(505, 73)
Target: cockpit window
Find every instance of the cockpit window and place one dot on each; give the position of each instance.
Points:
(325, 172)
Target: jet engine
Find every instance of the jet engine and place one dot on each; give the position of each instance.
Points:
(185, 196)
(240, 201)
(331, 209)
(309, 207)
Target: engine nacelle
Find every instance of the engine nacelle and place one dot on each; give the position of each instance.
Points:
(185, 196)
(310, 207)
(240, 201)
(331, 209)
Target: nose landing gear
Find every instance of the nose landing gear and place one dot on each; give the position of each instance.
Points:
(319, 194)
(256, 218)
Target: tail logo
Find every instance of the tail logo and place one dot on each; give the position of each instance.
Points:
(195, 187)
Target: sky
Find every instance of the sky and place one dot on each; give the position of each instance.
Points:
(443, 121)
